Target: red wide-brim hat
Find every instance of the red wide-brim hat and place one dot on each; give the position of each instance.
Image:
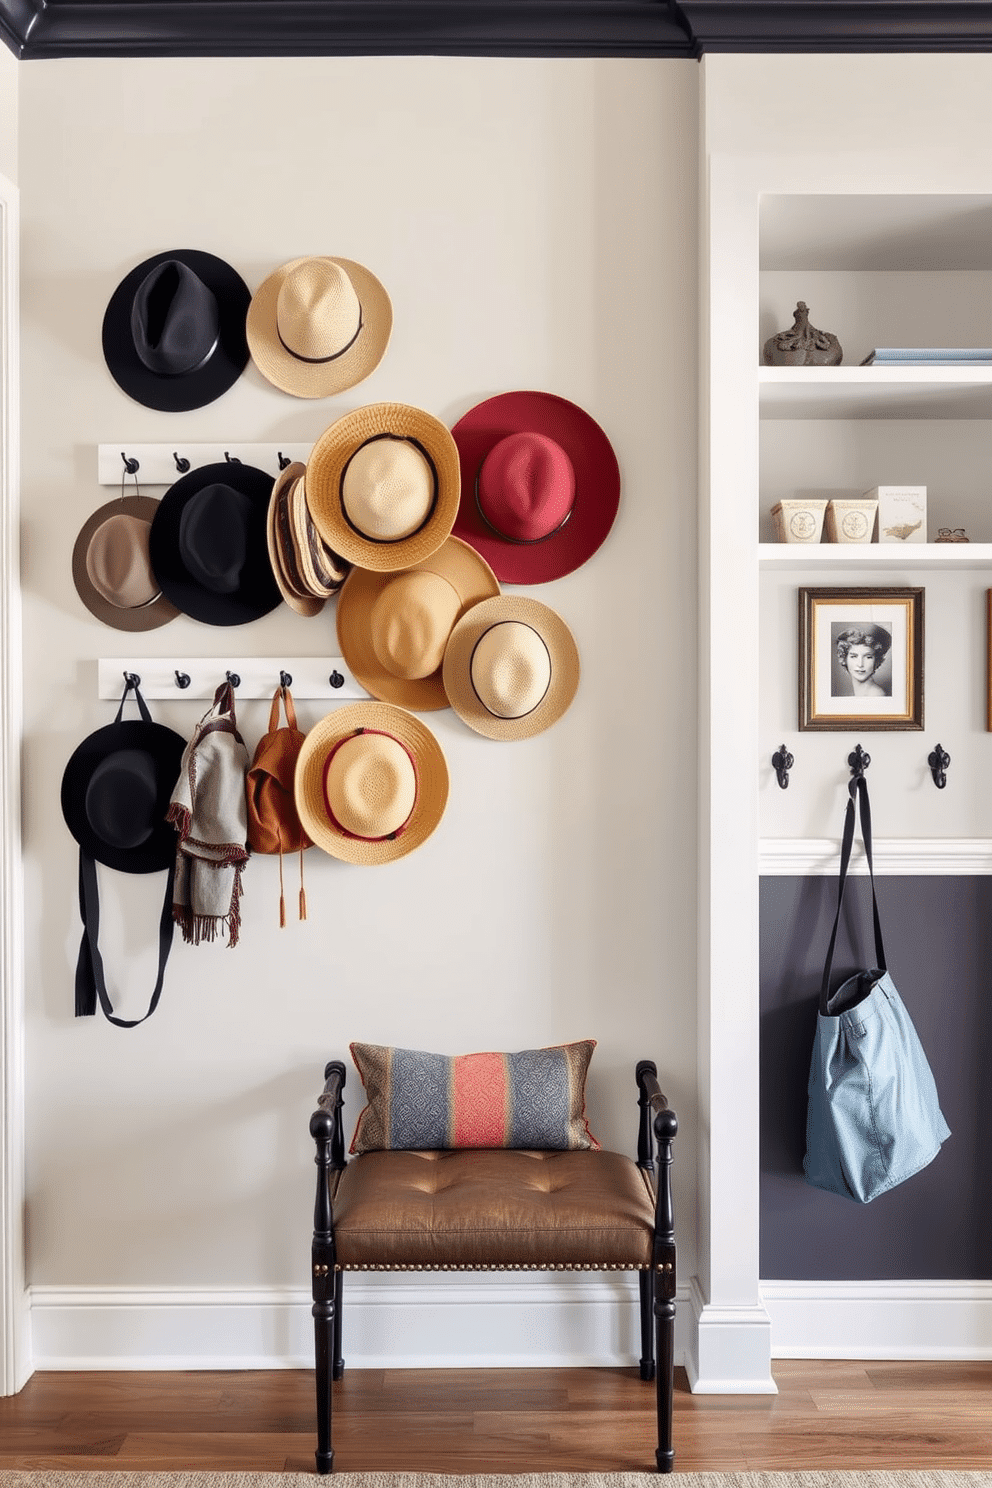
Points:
(596, 499)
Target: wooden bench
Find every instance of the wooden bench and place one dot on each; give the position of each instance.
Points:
(483, 1209)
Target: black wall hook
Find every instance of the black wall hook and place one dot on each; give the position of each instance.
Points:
(182, 679)
(231, 459)
(336, 679)
(182, 464)
(782, 762)
(858, 761)
(285, 679)
(130, 465)
(284, 461)
(132, 679)
(938, 760)
(233, 678)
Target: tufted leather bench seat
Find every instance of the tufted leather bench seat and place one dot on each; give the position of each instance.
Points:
(480, 1209)
(494, 1210)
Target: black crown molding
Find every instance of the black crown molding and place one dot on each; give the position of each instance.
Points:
(39, 29)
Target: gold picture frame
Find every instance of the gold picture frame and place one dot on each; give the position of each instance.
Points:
(861, 659)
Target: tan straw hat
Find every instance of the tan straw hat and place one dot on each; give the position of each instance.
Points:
(371, 783)
(307, 572)
(383, 484)
(112, 567)
(393, 628)
(318, 326)
(511, 668)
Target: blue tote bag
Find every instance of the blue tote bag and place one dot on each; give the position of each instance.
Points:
(873, 1118)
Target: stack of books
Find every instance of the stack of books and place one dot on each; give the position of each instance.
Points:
(929, 356)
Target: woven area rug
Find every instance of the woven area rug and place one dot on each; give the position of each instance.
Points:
(922, 1478)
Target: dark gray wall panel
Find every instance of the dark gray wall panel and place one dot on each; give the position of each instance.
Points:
(938, 941)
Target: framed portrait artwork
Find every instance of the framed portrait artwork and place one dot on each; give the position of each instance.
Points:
(860, 659)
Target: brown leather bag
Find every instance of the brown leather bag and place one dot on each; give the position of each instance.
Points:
(273, 822)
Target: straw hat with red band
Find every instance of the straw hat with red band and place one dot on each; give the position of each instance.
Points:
(371, 783)
(382, 486)
(540, 485)
(317, 326)
(393, 628)
(511, 668)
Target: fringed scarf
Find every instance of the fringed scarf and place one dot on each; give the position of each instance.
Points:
(208, 811)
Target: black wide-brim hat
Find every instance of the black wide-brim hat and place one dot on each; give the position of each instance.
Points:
(209, 544)
(116, 790)
(210, 288)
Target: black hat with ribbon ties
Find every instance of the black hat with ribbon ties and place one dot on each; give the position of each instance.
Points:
(174, 330)
(115, 794)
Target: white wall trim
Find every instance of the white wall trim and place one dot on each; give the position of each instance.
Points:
(14, 1353)
(880, 1319)
(730, 1348)
(390, 1321)
(801, 856)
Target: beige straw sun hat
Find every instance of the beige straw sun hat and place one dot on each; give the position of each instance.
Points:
(511, 668)
(383, 484)
(371, 783)
(318, 326)
(306, 571)
(393, 627)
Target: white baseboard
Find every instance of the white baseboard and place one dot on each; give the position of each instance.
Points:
(880, 1319)
(390, 1321)
(730, 1350)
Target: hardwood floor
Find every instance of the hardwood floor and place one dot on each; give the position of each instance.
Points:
(826, 1415)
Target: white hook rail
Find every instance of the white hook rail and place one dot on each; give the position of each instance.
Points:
(162, 464)
(324, 677)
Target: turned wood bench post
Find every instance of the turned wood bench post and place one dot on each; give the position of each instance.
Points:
(659, 1287)
(328, 1134)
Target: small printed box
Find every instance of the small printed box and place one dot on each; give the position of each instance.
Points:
(798, 521)
(902, 513)
(851, 519)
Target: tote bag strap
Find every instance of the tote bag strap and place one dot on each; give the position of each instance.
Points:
(857, 791)
(90, 981)
(131, 681)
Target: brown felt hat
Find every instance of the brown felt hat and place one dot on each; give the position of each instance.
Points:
(393, 627)
(371, 783)
(318, 326)
(383, 484)
(306, 571)
(112, 568)
(511, 668)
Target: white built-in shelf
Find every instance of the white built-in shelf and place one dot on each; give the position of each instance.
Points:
(875, 392)
(868, 556)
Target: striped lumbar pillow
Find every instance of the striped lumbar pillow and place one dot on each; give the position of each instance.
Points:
(425, 1102)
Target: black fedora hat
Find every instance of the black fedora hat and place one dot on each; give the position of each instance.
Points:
(209, 544)
(174, 330)
(116, 789)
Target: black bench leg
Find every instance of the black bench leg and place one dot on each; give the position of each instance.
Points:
(338, 1361)
(324, 1329)
(664, 1311)
(646, 1281)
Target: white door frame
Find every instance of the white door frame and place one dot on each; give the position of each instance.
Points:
(14, 1339)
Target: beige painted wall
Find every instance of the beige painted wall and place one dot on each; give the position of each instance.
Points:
(9, 74)
(534, 223)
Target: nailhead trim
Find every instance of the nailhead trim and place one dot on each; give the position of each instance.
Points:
(507, 1266)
